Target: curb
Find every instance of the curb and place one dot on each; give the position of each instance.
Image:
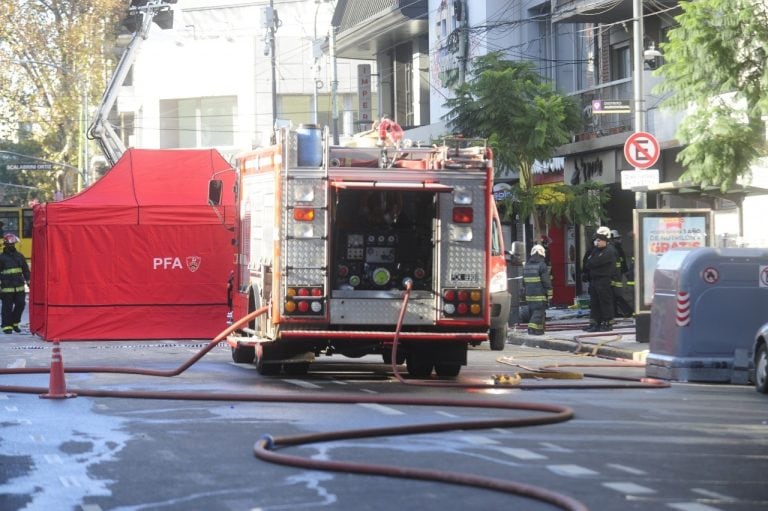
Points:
(577, 347)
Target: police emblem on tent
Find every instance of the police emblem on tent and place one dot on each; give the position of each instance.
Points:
(193, 263)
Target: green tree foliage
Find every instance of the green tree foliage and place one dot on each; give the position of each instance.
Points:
(55, 55)
(716, 67)
(524, 119)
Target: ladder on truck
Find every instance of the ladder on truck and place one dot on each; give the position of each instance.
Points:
(305, 258)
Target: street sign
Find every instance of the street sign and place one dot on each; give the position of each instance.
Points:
(611, 106)
(642, 150)
(29, 166)
(632, 178)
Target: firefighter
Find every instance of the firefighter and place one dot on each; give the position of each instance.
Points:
(601, 265)
(538, 289)
(14, 274)
(621, 307)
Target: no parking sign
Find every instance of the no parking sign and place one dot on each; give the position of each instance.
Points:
(763, 276)
(642, 150)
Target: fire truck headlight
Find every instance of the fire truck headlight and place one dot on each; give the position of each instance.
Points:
(303, 230)
(316, 306)
(460, 233)
(449, 308)
(304, 193)
(462, 195)
(498, 283)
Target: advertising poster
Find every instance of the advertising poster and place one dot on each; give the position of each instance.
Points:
(662, 231)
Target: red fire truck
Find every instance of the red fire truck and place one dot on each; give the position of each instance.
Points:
(330, 239)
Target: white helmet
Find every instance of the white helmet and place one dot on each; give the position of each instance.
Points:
(538, 249)
(603, 231)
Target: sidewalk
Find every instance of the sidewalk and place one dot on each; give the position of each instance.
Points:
(564, 332)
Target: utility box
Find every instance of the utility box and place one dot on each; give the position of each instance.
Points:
(707, 306)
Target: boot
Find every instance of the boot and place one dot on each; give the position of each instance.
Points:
(605, 326)
(591, 328)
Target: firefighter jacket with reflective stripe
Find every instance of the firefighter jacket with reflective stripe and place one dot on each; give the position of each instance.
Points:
(14, 270)
(617, 280)
(536, 279)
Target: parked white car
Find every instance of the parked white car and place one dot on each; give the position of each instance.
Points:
(760, 360)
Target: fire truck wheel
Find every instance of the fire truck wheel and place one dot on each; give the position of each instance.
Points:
(447, 369)
(243, 354)
(296, 369)
(498, 338)
(418, 366)
(268, 368)
(387, 357)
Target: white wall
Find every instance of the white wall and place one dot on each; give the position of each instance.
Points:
(216, 48)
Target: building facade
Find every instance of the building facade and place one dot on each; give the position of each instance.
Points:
(207, 82)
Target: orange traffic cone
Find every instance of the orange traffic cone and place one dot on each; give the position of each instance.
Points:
(57, 389)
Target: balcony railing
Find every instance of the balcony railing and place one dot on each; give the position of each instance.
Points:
(599, 125)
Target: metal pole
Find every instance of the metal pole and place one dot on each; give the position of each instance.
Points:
(272, 30)
(637, 80)
(334, 88)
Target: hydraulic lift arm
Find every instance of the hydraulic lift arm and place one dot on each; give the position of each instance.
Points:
(143, 12)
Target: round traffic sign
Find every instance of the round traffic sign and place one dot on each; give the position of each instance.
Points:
(641, 150)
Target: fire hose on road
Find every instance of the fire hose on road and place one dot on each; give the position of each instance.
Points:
(264, 447)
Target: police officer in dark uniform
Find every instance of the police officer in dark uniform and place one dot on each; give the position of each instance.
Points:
(538, 289)
(601, 265)
(14, 274)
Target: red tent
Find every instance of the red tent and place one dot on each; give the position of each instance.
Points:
(138, 255)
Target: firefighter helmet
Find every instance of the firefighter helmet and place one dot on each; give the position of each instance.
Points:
(538, 249)
(10, 239)
(603, 231)
(616, 235)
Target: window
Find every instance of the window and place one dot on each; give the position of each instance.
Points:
(198, 122)
(621, 62)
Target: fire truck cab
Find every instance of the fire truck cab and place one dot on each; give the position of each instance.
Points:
(331, 239)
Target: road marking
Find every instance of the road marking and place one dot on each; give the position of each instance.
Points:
(17, 364)
(303, 384)
(522, 454)
(386, 410)
(554, 447)
(629, 470)
(693, 506)
(478, 440)
(713, 494)
(53, 459)
(571, 470)
(629, 488)
(11, 408)
(446, 414)
(368, 391)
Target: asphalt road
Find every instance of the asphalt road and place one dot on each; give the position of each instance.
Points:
(688, 447)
